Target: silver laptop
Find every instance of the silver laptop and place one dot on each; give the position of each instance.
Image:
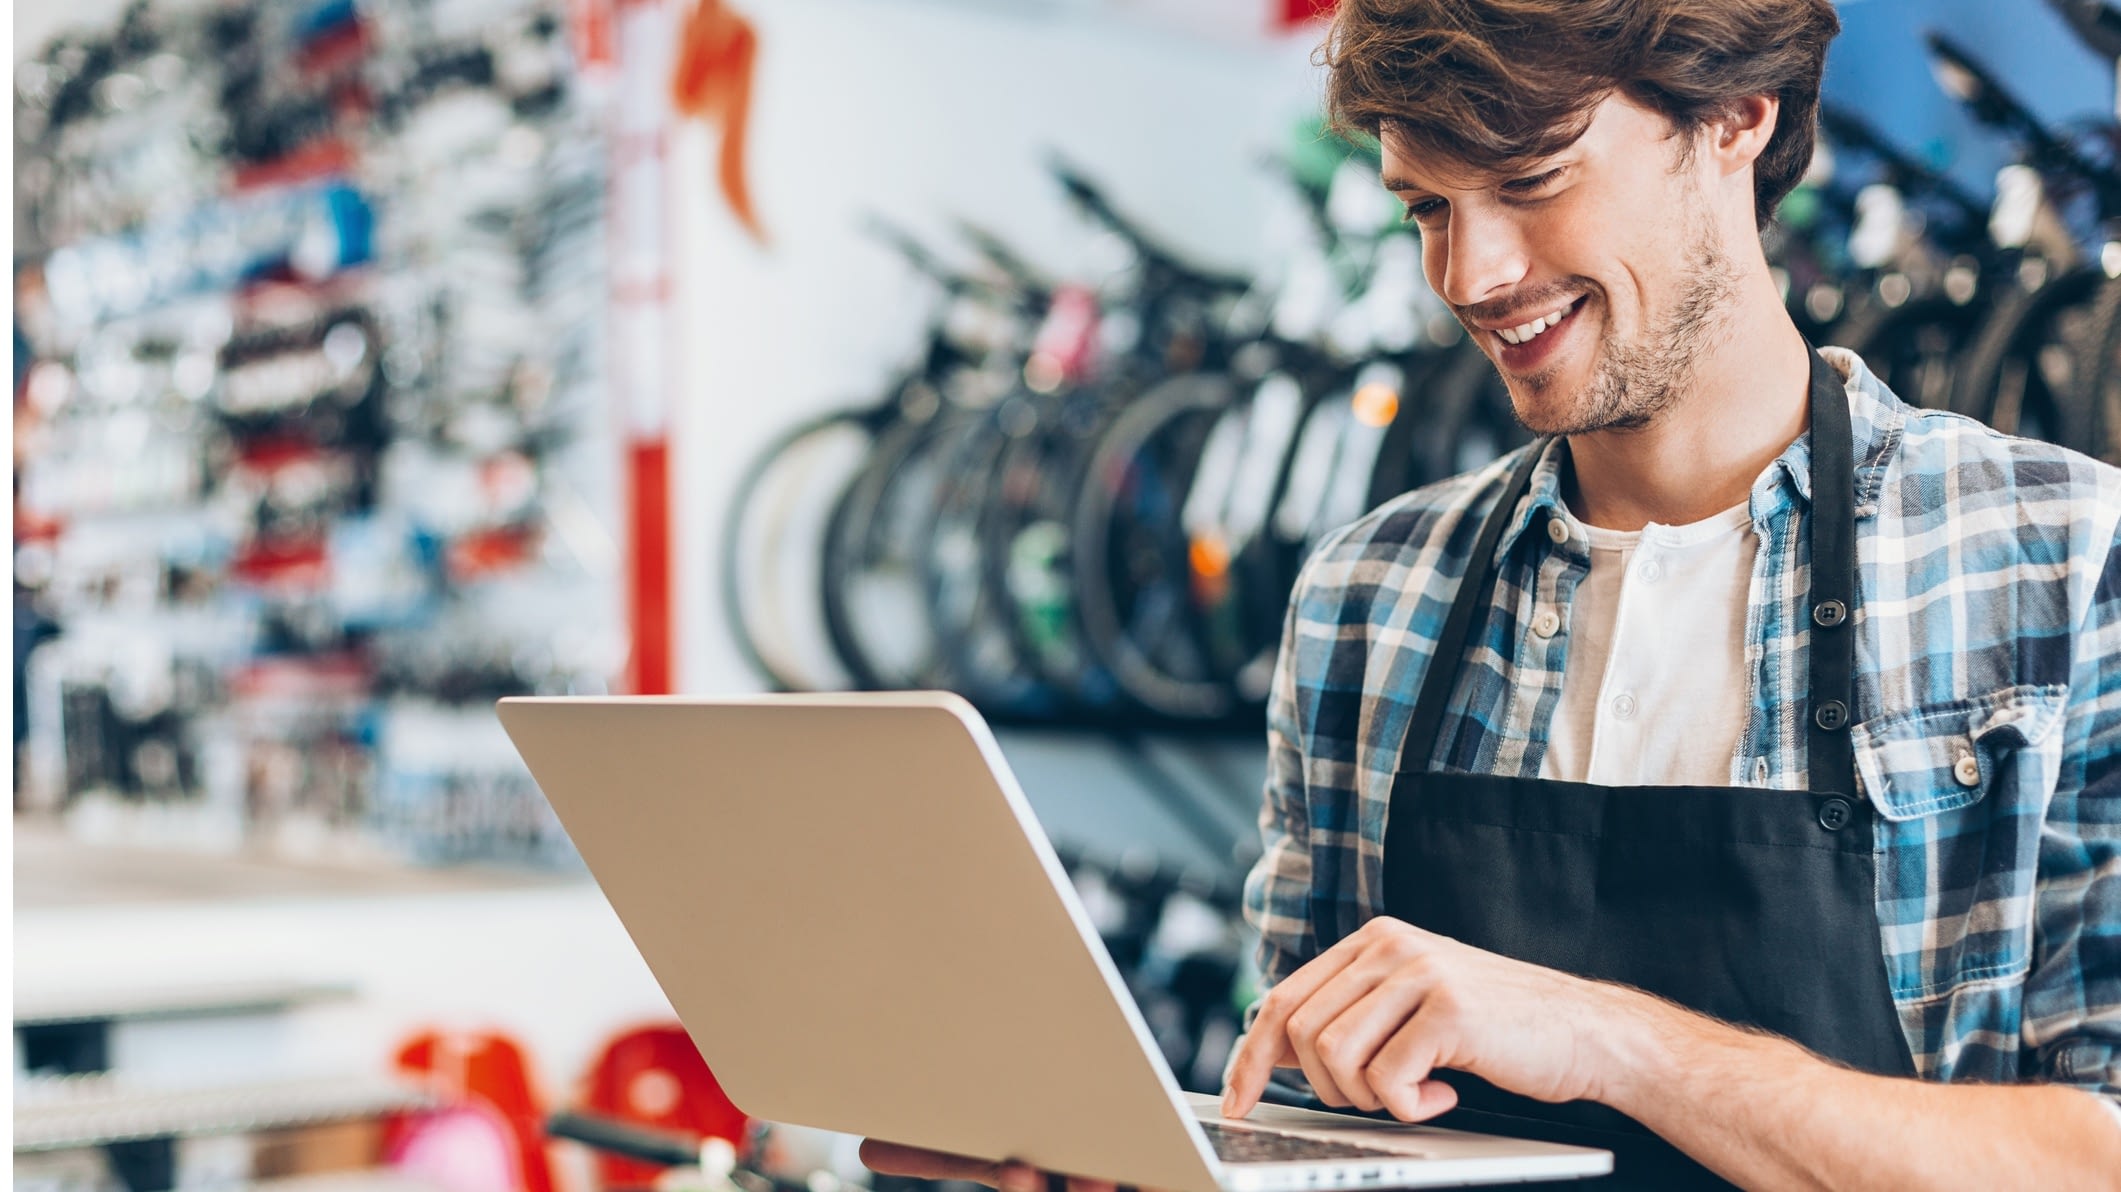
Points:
(851, 908)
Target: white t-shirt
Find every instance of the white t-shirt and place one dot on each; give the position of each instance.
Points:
(1655, 691)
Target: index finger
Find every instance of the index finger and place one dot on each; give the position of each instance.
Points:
(1266, 1045)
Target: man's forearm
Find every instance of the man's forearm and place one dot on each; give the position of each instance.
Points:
(1765, 1113)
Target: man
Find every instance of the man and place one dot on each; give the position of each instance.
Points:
(1734, 777)
(1828, 729)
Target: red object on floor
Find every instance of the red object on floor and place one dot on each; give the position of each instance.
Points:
(654, 1076)
(465, 1148)
(491, 1070)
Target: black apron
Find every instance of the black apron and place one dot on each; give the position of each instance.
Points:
(1753, 906)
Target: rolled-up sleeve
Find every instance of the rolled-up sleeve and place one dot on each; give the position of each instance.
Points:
(1278, 890)
(2072, 1024)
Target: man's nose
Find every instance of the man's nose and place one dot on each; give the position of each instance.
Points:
(1483, 259)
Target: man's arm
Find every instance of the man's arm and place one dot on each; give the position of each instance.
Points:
(1377, 1014)
(1764, 1112)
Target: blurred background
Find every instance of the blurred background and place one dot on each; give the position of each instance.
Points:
(375, 359)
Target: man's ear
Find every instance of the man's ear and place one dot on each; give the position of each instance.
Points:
(1738, 138)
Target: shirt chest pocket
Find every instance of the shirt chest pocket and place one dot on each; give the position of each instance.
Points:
(1961, 791)
(1942, 758)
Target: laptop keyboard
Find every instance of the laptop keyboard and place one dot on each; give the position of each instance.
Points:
(1267, 1146)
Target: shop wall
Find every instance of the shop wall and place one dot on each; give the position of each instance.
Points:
(923, 110)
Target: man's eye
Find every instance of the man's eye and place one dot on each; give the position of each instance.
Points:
(1533, 184)
(1421, 210)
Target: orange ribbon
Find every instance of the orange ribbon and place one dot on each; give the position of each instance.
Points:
(717, 51)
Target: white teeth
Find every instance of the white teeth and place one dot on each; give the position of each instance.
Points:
(1525, 332)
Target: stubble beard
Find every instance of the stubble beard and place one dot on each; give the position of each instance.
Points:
(1632, 384)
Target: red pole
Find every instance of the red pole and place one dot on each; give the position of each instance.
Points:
(648, 468)
(642, 355)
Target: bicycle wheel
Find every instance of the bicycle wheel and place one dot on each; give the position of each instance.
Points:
(874, 606)
(2095, 410)
(1029, 548)
(773, 550)
(2020, 374)
(976, 643)
(1913, 346)
(1135, 570)
(1241, 574)
(1454, 415)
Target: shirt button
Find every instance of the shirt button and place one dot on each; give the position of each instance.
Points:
(1547, 623)
(1967, 770)
(1557, 530)
(1652, 571)
(1624, 706)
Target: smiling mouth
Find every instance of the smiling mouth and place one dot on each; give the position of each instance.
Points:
(1525, 333)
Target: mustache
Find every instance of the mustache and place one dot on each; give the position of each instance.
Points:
(1523, 308)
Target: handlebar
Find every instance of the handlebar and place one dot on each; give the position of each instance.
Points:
(1992, 104)
(1086, 195)
(663, 1148)
(1856, 133)
(2097, 22)
(1021, 273)
(956, 284)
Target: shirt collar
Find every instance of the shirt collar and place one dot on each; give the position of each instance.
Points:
(1876, 418)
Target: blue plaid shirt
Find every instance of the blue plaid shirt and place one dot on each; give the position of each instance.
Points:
(1988, 626)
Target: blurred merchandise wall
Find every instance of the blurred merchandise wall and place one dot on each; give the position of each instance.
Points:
(312, 452)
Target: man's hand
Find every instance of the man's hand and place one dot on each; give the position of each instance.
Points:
(889, 1158)
(1371, 1019)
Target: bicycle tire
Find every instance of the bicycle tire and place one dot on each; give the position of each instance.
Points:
(977, 649)
(1184, 408)
(2095, 427)
(1986, 385)
(1244, 618)
(1914, 346)
(1028, 543)
(867, 529)
(788, 667)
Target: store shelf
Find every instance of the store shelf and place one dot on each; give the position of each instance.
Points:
(92, 1111)
(54, 870)
(173, 1001)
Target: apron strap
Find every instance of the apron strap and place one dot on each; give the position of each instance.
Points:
(1830, 755)
(1420, 741)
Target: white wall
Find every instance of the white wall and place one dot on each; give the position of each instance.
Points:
(921, 110)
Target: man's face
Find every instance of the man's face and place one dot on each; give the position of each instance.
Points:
(1592, 280)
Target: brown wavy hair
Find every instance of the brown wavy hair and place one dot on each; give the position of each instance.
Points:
(1496, 84)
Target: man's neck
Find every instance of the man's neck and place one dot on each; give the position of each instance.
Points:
(1746, 401)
